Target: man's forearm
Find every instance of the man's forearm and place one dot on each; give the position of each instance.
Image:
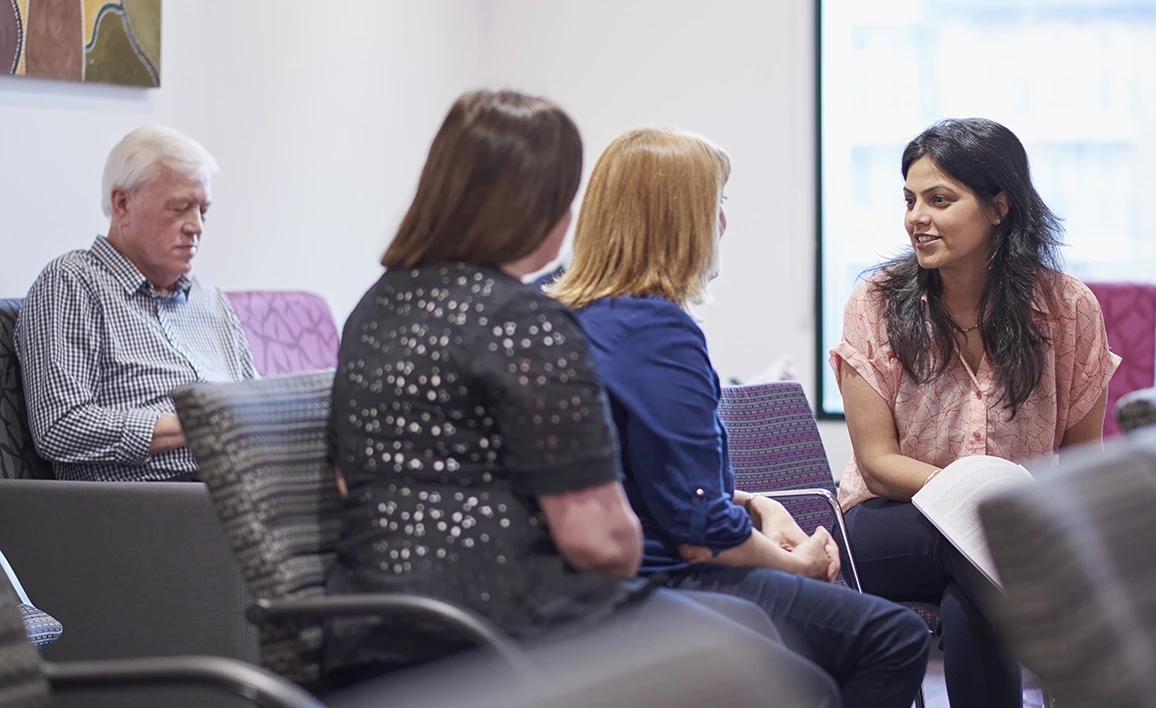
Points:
(89, 433)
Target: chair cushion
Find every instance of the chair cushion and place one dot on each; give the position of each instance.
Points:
(42, 628)
(1075, 553)
(18, 458)
(1130, 320)
(261, 447)
(288, 332)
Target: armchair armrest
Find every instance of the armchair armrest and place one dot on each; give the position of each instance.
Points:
(850, 574)
(468, 624)
(258, 685)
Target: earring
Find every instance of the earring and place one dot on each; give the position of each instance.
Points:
(997, 220)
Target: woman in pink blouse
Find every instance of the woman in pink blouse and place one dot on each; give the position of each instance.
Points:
(974, 343)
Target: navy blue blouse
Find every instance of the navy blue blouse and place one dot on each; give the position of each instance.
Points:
(664, 394)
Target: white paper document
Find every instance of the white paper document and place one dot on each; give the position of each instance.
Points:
(951, 502)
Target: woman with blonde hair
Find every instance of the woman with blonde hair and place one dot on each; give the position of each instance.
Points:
(645, 249)
(470, 435)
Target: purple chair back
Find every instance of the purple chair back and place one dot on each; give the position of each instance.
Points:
(1130, 319)
(775, 445)
(774, 441)
(289, 332)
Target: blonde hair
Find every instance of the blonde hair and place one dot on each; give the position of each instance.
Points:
(649, 222)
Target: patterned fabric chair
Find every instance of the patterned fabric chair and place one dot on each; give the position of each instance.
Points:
(1136, 410)
(42, 628)
(776, 451)
(1074, 551)
(288, 332)
(18, 458)
(261, 448)
(1130, 319)
(27, 682)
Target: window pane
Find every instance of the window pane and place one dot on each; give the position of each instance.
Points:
(1073, 79)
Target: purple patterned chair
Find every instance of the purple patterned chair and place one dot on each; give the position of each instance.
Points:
(289, 332)
(1130, 319)
(776, 451)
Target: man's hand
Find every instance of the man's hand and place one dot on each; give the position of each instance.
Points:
(775, 522)
(167, 434)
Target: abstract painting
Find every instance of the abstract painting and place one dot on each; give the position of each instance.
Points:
(103, 41)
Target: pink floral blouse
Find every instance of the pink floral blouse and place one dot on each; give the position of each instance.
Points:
(960, 414)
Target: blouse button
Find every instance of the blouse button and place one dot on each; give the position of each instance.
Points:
(976, 435)
(979, 395)
(699, 492)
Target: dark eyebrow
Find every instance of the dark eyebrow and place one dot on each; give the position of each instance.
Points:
(932, 188)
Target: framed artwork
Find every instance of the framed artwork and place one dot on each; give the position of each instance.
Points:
(99, 41)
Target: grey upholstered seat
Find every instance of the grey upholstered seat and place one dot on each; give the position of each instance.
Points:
(1136, 410)
(261, 449)
(18, 458)
(1077, 555)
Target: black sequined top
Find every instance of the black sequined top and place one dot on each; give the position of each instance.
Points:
(460, 396)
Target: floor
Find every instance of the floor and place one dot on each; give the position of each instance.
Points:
(935, 693)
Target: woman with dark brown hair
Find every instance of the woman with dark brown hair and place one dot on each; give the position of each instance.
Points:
(470, 431)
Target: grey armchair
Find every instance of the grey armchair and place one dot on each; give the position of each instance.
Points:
(1136, 410)
(1075, 553)
(261, 449)
(28, 682)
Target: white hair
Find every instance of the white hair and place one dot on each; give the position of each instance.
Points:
(134, 160)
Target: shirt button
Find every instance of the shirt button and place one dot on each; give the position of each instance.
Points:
(976, 435)
(979, 395)
(699, 492)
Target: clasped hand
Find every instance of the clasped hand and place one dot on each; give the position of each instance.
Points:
(815, 556)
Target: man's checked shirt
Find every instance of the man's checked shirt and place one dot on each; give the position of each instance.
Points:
(101, 352)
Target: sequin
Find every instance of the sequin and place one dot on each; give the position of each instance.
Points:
(449, 376)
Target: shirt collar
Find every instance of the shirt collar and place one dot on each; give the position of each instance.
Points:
(1040, 304)
(127, 274)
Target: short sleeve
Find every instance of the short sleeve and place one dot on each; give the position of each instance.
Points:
(1092, 363)
(549, 406)
(865, 346)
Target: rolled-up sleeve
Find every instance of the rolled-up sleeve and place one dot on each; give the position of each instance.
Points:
(865, 346)
(1082, 354)
(58, 345)
(662, 377)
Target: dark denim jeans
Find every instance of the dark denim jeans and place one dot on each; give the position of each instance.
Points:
(875, 650)
(902, 557)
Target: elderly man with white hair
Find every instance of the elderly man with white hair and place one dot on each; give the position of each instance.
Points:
(106, 334)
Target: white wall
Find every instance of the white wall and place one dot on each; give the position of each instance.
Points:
(737, 71)
(320, 121)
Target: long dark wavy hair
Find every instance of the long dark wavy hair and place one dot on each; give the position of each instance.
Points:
(1022, 262)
